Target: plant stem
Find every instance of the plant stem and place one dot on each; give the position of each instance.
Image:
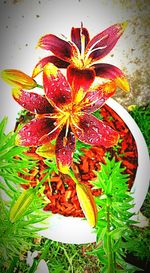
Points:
(68, 258)
(109, 242)
(71, 174)
(39, 86)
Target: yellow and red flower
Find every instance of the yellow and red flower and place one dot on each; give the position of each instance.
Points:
(65, 115)
(80, 56)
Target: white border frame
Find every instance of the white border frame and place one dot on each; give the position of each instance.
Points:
(76, 230)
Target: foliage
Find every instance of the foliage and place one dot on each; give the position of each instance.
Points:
(79, 150)
(141, 114)
(12, 158)
(51, 166)
(139, 243)
(113, 217)
(62, 257)
(16, 232)
(146, 206)
(15, 236)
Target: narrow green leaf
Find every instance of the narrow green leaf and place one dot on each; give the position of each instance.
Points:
(117, 233)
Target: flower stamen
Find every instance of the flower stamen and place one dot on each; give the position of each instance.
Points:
(66, 133)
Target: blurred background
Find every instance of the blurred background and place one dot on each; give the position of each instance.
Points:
(23, 22)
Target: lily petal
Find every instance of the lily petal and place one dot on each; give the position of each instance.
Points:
(32, 102)
(77, 34)
(18, 79)
(95, 132)
(87, 203)
(112, 72)
(65, 145)
(80, 80)
(50, 59)
(56, 87)
(37, 132)
(94, 99)
(46, 150)
(61, 48)
(104, 42)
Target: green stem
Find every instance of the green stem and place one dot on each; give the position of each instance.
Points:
(109, 241)
(68, 258)
(46, 249)
(71, 174)
(39, 86)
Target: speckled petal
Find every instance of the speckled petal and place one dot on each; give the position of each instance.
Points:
(95, 132)
(104, 42)
(80, 80)
(111, 72)
(94, 99)
(32, 102)
(56, 87)
(37, 132)
(60, 48)
(50, 59)
(65, 146)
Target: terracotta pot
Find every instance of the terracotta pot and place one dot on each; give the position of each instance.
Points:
(76, 230)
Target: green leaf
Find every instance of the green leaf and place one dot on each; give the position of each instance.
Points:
(101, 223)
(104, 269)
(113, 215)
(3, 124)
(100, 234)
(105, 243)
(109, 187)
(130, 268)
(12, 152)
(79, 150)
(98, 115)
(117, 233)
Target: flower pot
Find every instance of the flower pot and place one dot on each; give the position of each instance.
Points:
(76, 230)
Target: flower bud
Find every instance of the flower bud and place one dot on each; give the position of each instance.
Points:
(21, 205)
(17, 78)
(87, 203)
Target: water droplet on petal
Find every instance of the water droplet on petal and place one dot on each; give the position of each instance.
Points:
(91, 140)
(96, 129)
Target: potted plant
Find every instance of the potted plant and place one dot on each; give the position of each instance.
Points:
(73, 115)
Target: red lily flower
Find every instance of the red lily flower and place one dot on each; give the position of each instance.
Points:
(80, 55)
(65, 115)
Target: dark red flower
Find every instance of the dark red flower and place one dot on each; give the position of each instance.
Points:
(65, 115)
(80, 55)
